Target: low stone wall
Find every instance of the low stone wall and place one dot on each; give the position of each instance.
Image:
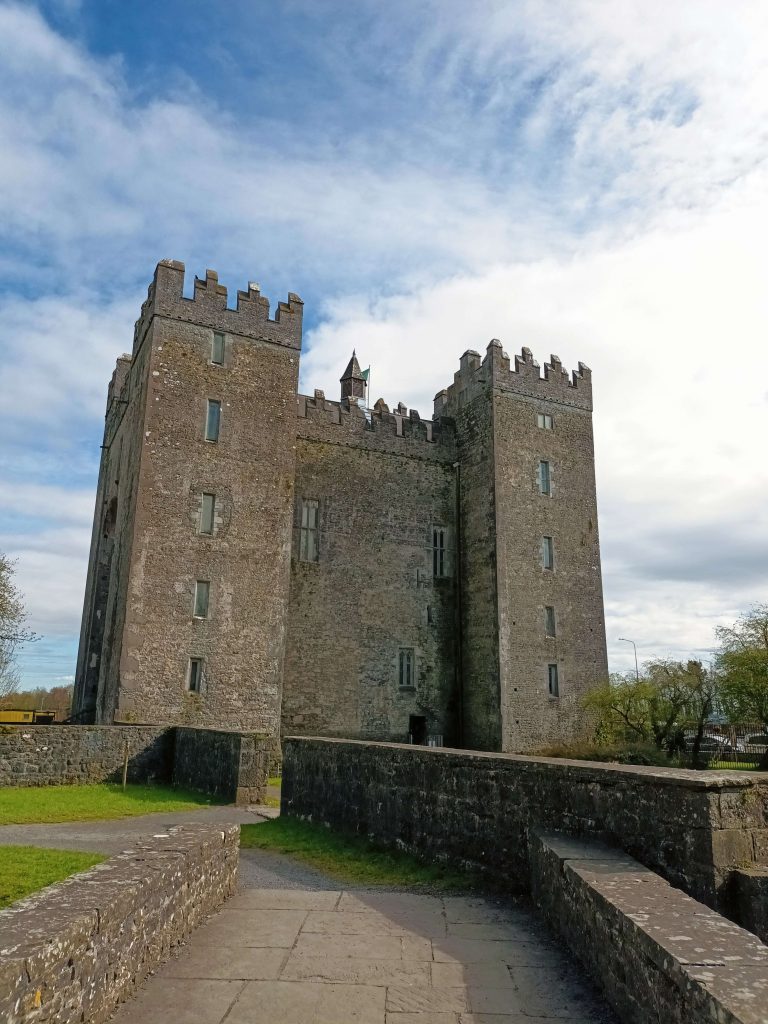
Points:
(229, 765)
(476, 809)
(54, 755)
(657, 954)
(751, 898)
(75, 950)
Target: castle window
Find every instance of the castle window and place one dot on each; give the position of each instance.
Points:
(550, 626)
(207, 513)
(213, 420)
(547, 553)
(544, 421)
(554, 682)
(195, 675)
(202, 595)
(440, 567)
(309, 544)
(405, 673)
(545, 482)
(217, 349)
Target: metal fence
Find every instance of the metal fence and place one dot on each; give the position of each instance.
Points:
(730, 746)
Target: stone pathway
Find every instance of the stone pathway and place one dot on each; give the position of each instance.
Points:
(287, 951)
(116, 835)
(293, 947)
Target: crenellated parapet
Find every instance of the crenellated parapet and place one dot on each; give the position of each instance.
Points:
(208, 307)
(524, 377)
(399, 427)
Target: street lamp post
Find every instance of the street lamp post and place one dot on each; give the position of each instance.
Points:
(637, 673)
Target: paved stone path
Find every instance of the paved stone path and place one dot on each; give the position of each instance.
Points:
(117, 835)
(294, 947)
(295, 956)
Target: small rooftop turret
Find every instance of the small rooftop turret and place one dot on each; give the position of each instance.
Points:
(352, 380)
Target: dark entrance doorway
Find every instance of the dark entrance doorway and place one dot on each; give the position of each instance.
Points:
(417, 729)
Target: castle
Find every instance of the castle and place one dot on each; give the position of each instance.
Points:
(268, 561)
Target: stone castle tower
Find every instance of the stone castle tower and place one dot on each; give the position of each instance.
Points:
(263, 560)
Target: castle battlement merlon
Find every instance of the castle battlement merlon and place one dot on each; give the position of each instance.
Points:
(379, 421)
(208, 307)
(524, 378)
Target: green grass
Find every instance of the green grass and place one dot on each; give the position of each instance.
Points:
(275, 780)
(349, 858)
(24, 805)
(25, 869)
(744, 766)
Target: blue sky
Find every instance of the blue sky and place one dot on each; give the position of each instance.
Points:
(580, 177)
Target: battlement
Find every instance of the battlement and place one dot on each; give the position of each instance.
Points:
(208, 306)
(525, 378)
(119, 378)
(377, 424)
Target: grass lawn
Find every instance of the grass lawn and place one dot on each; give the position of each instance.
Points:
(27, 804)
(272, 799)
(349, 858)
(730, 766)
(25, 869)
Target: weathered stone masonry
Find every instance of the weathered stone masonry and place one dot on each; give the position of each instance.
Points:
(75, 950)
(231, 766)
(652, 934)
(477, 809)
(364, 636)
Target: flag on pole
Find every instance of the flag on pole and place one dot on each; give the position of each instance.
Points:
(367, 378)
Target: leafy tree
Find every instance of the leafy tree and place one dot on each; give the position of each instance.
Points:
(669, 697)
(13, 631)
(55, 698)
(688, 693)
(622, 708)
(743, 662)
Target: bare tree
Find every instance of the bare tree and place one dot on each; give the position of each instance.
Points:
(13, 630)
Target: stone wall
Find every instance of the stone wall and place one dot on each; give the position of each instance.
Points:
(750, 890)
(75, 950)
(657, 954)
(139, 662)
(372, 590)
(229, 765)
(55, 755)
(316, 644)
(506, 647)
(477, 809)
(481, 696)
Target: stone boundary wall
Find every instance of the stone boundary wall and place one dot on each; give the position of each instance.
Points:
(230, 765)
(751, 898)
(75, 950)
(476, 809)
(55, 755)
(657, 954)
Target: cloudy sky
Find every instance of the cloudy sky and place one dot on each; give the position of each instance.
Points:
(584, 177)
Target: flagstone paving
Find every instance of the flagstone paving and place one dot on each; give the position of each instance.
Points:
(294, 947)
(287, 952)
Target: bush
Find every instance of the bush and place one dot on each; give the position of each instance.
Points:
(615, 753)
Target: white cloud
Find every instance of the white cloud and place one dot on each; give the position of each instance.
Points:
(577, 176)
(50, 572)
(673, 324)
(59, 353)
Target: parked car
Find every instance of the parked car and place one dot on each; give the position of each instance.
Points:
(758, 743)
(714, 743)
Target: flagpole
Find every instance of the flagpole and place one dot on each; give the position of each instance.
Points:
(368, 388)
